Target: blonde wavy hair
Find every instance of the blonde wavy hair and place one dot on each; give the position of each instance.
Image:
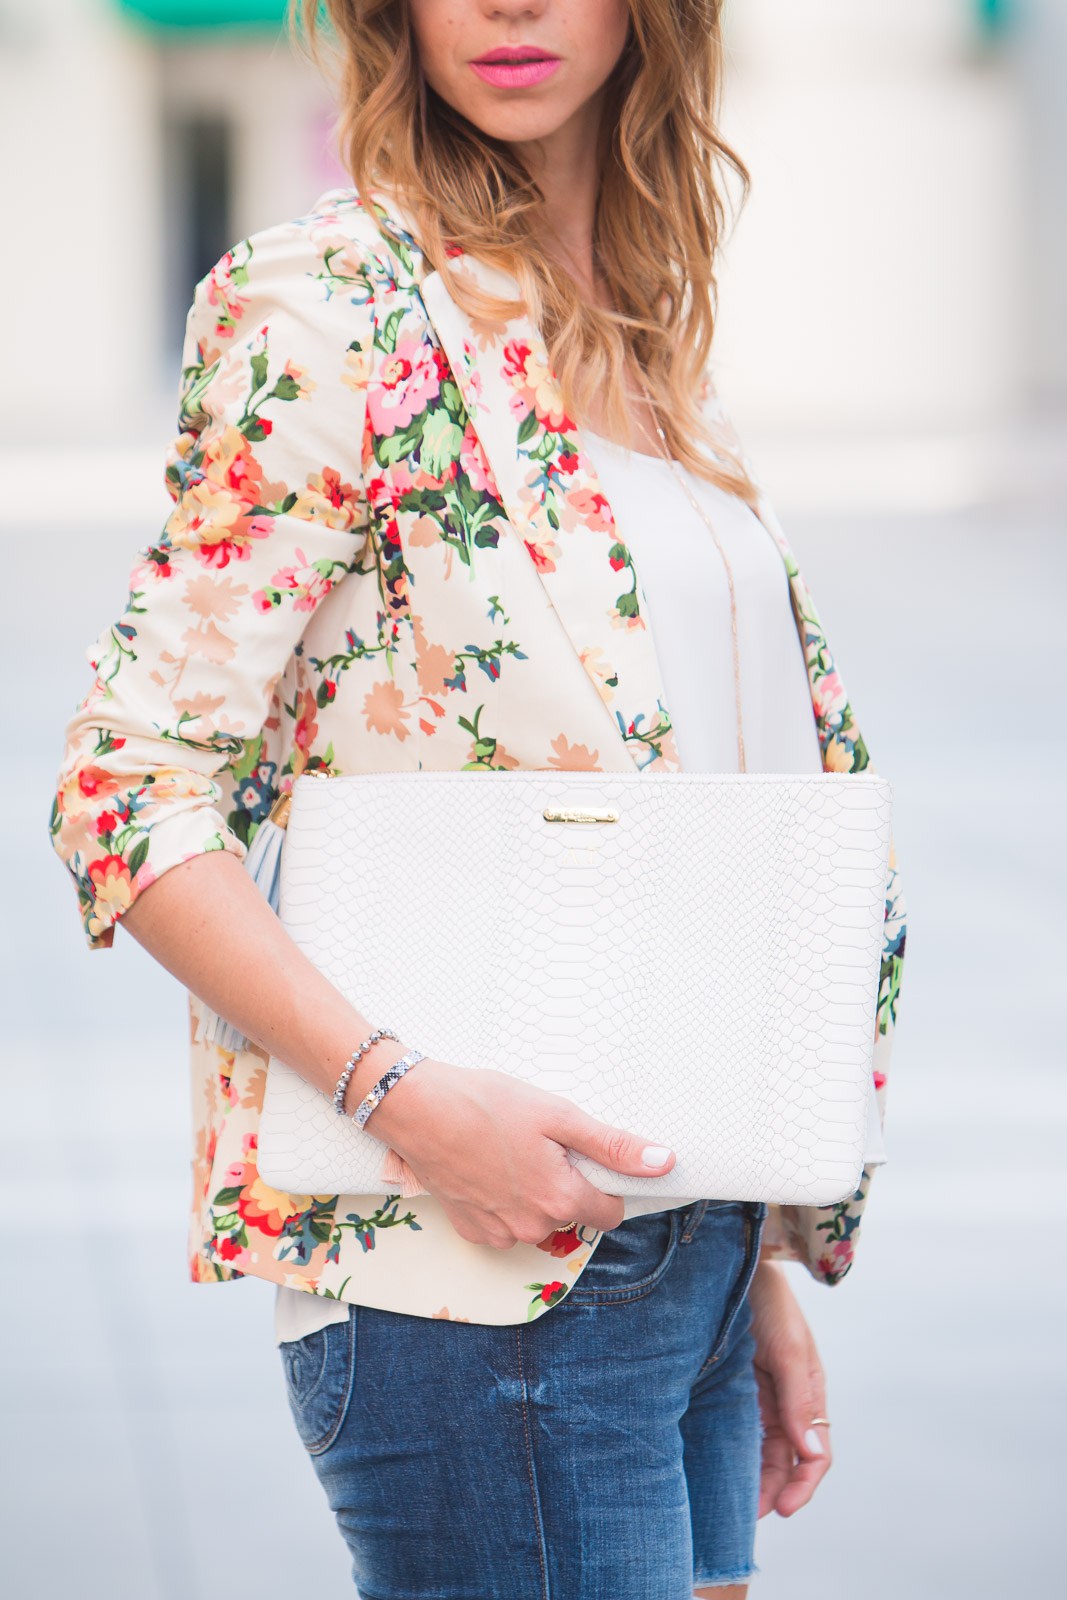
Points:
(661, 209)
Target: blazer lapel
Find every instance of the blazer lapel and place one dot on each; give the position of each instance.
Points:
(555, 504)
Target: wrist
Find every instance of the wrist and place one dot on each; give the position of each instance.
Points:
(408, 1106)
(388, 1080)
(376, 1059)
(346, 1096)
(768, 1278)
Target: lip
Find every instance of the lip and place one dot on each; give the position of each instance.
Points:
(515, 66)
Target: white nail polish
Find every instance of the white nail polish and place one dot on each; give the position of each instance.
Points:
(654, 1155)
(812, 1443)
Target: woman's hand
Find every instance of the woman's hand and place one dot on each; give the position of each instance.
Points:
(792, 1390)
(493, 1151)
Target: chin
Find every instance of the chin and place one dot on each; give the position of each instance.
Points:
(514, 123)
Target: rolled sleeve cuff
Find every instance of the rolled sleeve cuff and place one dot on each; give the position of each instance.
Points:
(107, 887)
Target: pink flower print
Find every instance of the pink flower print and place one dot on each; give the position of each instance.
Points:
(306, 726)
(593, 508)
(829, 696)
(516, 355)
(535, 386)
(841, 1254)
(404, 480)
(380, 496)
(303, 582)
(411, 378)
(471, 373)
(222, 293)
(473, 463)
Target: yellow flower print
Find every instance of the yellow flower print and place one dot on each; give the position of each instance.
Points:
(207, 515)
(357, 369)
(84, 790)
(326, 499)
(214, 517)
(268, 1209)
(110, 877)
(539, 533)
(547, 399)
(305, 386)
(296, 1280)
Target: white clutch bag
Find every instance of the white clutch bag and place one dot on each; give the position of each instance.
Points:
(693, 957)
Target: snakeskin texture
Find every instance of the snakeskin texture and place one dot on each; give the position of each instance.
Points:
(703, 971)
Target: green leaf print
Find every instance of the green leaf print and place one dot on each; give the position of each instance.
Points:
(440, 443)
(138, 856)
(528, 427)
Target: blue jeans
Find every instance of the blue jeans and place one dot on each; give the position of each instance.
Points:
(609, 1450)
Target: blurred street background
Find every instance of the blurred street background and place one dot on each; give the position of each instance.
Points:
(893, 346)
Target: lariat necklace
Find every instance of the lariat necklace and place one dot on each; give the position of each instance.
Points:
(702, 513)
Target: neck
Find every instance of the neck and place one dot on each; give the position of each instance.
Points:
(566, 168)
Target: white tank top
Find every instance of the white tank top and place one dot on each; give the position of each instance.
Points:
(684, 580)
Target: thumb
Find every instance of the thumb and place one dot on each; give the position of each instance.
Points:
(612, 1147)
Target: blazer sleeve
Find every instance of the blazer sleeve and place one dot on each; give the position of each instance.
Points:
(824, 1239)
(269, 514)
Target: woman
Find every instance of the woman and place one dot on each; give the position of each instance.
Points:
(394, 546)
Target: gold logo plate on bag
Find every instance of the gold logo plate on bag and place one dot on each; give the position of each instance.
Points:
(561, 814)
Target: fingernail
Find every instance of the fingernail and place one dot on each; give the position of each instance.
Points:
(654, 1155)
(812, 1443)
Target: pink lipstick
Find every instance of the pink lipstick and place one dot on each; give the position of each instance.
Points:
(515, 66)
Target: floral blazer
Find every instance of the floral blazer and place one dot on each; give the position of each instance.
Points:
(389, 549)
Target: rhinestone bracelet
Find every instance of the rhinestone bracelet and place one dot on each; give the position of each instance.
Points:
(351, 1064)
(384, 1084)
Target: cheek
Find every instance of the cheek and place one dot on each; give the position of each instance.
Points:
(596, 25)
(596, 32)
(437, 31)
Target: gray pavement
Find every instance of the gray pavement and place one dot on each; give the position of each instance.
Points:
(149, 1450)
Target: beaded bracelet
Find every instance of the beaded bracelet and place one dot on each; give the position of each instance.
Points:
(351, 1064)
(384, 1084)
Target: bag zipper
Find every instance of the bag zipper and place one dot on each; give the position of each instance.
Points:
(279, 811)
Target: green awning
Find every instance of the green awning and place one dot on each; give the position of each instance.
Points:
(995, 14)
(207, 13)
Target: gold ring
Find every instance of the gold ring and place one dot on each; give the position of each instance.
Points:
(565, 1227)
(825, 1420)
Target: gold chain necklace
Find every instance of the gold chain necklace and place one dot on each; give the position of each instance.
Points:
(702, 513)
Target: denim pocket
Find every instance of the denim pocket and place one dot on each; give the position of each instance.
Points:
(754, 1218)
(629, 1260)
(319, 1377)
